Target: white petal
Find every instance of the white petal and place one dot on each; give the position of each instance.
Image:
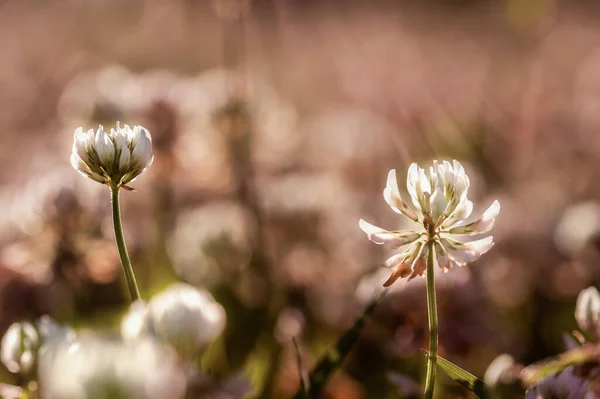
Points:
(394, 260)
(449, 178)
(84, 169)
(456, 184)
(120, 139)
(80, 144)
(132, 135)
(419, 264)
(411, 183)
(391, 194)
(587, 310)
(463, 253)
(461, 185)
(124, 160)
(90, 140)
(104, 148)
(77, 163)
(393, 238)
(443, 259)
(438, 198)
(418, 185)
(482, 225)
(142, 152)
(462, 212)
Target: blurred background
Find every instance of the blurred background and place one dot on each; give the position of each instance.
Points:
(274, 125)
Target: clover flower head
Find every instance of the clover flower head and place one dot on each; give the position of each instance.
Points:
(113, 158)
(587, 311)
(443, 214)
(19, 347)
(94, 366)
(186, 317)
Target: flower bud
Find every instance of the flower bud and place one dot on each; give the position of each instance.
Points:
(114, 158)
(19, 347)
(587, 311)
(187, 318)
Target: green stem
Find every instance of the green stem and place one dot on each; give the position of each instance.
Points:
(433, 324)
(127, 268)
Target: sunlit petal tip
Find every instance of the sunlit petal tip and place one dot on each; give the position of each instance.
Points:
(145, 132)
(492, 211)
(412, 177)
(481, 246)
(457, 166)
(391, 177)
(79, 133)
(369, 228)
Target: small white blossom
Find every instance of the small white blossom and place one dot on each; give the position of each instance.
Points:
(114, 158)
(186, 317)
(91, 367)
(19, 347)
(587, 311)
(500, 371)
(443, 210)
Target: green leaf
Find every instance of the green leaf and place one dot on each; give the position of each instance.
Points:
(463, 377)
(335, 356)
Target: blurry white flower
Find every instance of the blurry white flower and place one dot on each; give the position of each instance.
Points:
(50, 330)
(577, 227)
(19, 347)
(564, 385)
(440, 197)
(184, 316)
(114, 158)
(211, 242)
(289, 325)
(499, 371)
(587, 311)
(91, 367)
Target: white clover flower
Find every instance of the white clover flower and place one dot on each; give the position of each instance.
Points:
(19, 348)
(91, 367)
(186, 317)
(587, 311)
(500, 371)
(443, 210)
(114, 158)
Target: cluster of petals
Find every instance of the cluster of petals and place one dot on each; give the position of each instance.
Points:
(186, 317)
(442, 212)
(114, 158)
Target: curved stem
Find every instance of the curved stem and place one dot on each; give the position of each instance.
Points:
(120, 239)
(433, 324)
